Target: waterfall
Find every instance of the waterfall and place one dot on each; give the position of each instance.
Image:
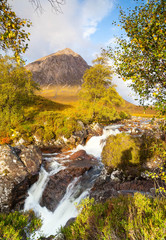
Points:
(95, 144)
(64, 211)
(77, 190)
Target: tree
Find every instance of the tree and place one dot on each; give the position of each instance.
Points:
(16, 90)
(12, 31)
(141, 56)
(98, 94)
(13, 35)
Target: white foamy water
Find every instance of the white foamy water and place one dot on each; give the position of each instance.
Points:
(64, 211)
(77, 190)
(35, 192)
(95, 144)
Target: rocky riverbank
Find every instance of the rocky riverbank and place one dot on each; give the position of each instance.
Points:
(20, 166)
(116, 183)
(135, 126)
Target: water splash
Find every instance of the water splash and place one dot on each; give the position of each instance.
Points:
(96, 143)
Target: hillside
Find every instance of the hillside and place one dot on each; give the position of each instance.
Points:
(135, 110)
(64, 67)
(69, 95)
(60, 78)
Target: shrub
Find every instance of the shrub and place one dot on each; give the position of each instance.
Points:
(120, 151)
(17, 226)
(51, 125)
(124, 115)
(152, 149)
(124, 217)
(5, 139)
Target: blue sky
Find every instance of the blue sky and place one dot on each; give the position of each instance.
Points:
(85, 26)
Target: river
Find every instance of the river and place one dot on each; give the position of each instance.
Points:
(76, 191)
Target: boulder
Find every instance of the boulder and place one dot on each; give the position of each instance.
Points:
(79, 136)
(94, 129)
(139, 185)
(117, 175)
(57, 185)
(80, 155)
(19, 169)
(105, 187)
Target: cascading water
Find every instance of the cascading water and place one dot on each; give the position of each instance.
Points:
(95, 144)
(77, 190)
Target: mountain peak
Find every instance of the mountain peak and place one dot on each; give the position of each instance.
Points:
(67, 51)
(64, 67)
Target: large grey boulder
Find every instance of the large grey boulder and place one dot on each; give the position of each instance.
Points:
(19, 169)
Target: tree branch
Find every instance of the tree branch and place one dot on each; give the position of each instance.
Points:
(55, 4)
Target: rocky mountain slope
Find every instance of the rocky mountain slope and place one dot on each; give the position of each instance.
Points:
(64, 67)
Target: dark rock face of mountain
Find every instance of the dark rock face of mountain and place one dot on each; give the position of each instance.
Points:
(64, 67)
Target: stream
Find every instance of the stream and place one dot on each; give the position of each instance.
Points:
(76, 191)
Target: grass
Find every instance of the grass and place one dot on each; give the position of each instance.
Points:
(135, 110)
(54, 112)
(60, 94)
(41, 104)
(68, 95)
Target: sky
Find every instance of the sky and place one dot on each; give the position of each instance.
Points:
(85, 26)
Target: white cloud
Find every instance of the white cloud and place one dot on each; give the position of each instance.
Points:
(74, 28)
(124, 90)
(93, 12)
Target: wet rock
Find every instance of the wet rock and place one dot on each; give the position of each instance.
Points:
(50, 149)
(117, 176)
(112, 184)
(70, 221)
(70, 159)
(80, 155)
(94, 129)
(138, 185)
(105, 189)
(57, 185)
(18, 171)
(123, 129)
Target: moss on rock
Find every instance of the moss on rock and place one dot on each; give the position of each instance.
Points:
(121, 151)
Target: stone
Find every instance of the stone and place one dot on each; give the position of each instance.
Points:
(95, 129)
(57, 185)
(117, 175)
(105, 187)
(19, 169)
(80, 155)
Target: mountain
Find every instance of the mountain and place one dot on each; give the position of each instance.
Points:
(64, 67)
